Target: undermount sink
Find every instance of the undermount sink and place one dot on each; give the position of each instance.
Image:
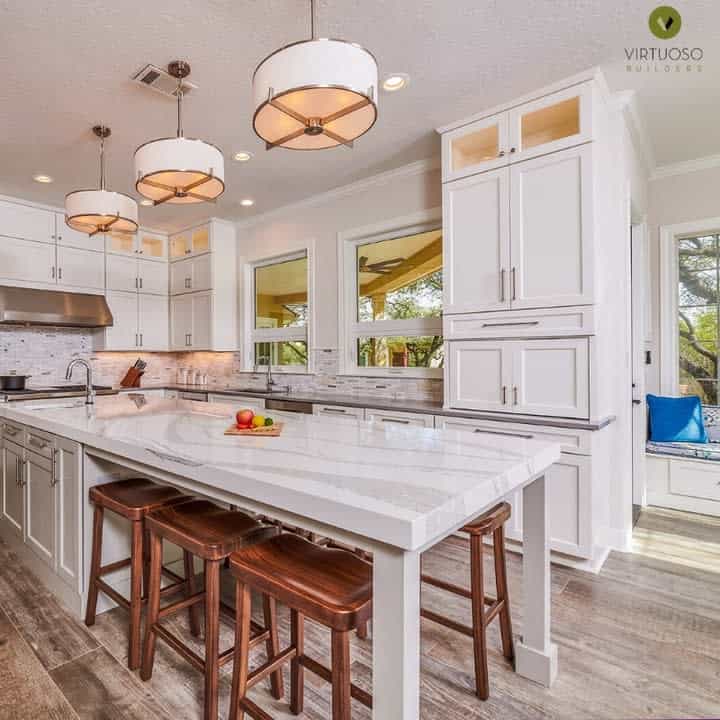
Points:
(55, 406)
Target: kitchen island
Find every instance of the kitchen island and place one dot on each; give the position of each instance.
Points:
(391, 490)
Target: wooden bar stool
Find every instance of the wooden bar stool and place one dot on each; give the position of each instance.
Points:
(490, 523)
(211, 532)
(132, 499)
(332, 587)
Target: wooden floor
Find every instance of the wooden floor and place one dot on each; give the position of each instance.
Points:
(640, 640)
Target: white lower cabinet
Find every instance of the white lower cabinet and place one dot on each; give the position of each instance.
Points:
(239, 401)
(13, 495)
(389, 418)
(68, 499)
(339, 411)
(40, 506)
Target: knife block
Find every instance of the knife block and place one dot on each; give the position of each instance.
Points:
(132, 378)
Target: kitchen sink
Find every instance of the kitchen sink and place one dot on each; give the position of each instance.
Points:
(55, 406)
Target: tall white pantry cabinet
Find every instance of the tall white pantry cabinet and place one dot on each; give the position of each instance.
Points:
(529, 197)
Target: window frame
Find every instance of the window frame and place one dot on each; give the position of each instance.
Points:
(349, 328)
(253, 335)
(669, 300)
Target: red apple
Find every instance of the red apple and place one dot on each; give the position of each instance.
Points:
(244, 418)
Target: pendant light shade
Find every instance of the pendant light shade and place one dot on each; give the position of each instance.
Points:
(315, 94)
(179, 170)
(100, 211)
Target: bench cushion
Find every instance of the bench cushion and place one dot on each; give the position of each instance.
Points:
(676, 419)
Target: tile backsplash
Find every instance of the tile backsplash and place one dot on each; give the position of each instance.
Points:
(45, 352)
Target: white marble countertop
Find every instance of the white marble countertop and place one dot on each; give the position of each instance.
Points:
(401, 485)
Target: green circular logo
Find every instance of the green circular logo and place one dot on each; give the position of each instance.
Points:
(665, 22)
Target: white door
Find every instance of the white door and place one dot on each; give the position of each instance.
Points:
(201, 337)
(40, 507)
(28, 223)
(68, 477)
(153, 277)
(479, 375)
(123, 335)
(13, 502)
(201, 273)
(551, 377)
(153, 322)
(551, 221)
(476, 243)
(122, 273)
(28, 261)
(181, 321)
(67, 237)
(181, 276)
(81, 268)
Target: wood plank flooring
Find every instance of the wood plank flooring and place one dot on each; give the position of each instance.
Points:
(639, 640)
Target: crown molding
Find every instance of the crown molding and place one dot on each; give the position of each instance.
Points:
(626, 102)
(686, 166)
(416, 168)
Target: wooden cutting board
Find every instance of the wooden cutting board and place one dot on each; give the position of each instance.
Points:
(265, 431)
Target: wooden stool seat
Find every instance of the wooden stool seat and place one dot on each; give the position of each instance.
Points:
(134, 498)
(210, 532)
(490, 521)
(333, 587)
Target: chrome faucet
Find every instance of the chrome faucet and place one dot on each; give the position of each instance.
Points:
(270, 383)
(90, 391)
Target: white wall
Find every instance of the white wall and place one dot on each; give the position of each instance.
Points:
(393, 194)
(675, 199)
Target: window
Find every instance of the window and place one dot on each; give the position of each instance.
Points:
(698, 262)
(280, 312)
(393, 302)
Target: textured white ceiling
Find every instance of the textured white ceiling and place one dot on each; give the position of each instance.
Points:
(66, 66)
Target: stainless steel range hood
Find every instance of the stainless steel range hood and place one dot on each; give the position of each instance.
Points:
(28, 306)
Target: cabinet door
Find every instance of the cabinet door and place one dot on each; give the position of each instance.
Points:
(40, 507)
(121, 243)
(152, 246)
(479, 375)
(67, 237)
(389, 418)
(551, 220)
(13, 497)
(338, 412)
(181, 321)
(552, 123)
(27, 261)
(201, 337)
(181, 276)
(122, 273)
(153, 322)
(123, 335)
(68, 478)
(179, 245)
(152, 277)
(476, 243)
(200, 239)
(474, 148)
(201, 273)
(27, 223)
(551, 377)
(81, 268)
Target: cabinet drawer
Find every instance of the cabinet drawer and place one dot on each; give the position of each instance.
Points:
(339, 411)
(11, 431)
(238, 401)
(695, 479)
(387, 417)
(39, 442)
(196, 396)
(562, 322)
(578, 442)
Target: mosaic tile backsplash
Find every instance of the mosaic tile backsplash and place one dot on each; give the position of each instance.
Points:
(45, 352)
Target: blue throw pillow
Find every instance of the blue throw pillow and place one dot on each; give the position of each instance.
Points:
(676, 419)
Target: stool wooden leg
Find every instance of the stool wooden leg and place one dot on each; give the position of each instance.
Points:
(194, 610)
(297, 672)
(95, 564)
(340, 653)
(502, 592)
(212, 636)
(243, 613)
(478, 617)
(153, 609)
(136, 576)
(146, 562)
(273, 644)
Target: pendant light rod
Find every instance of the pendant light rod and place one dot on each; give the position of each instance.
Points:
(179, 69)
(102, 131)
(312, 19)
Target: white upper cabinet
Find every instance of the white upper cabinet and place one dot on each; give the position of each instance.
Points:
(80, 268)
(152, 277)
(181, 322)
(153, 322)
(27, 223)
(67, 237)
(551, 217)
(191, 274)
(476, 243)
(122, 273)
(481, 146)
(123, 334)
(190, 242)
(27, 261)
(148, 244)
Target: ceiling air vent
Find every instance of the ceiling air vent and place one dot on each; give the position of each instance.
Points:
(160, 80)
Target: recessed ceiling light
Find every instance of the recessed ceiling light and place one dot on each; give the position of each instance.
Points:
(395, 82)
(146, 202)
(42, 178)
(243, 156)
(247, 202)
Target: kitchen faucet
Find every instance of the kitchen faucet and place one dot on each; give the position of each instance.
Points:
(270, 382)
(90, 391)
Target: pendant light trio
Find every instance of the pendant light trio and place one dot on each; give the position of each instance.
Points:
(310, 95)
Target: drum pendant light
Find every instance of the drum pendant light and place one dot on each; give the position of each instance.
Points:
(179, 170)
(101, 211)
(315, 94)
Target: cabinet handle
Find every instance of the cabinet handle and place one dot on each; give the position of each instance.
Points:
(37, 443)
(10, 430)
(504, 394)
(141, 339)
(52, 271)
(136, 340)
(140, 283)
(395, 420)
(59, 273)
(501, 153)
(499, 432)
(136, 283)
(54, 475)
(23, 472)
(17, 471)
(512, 324)
(502, 285)
(190, 339)
(512, 149)
(515, 395)
(334, 410)
(512, 276)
